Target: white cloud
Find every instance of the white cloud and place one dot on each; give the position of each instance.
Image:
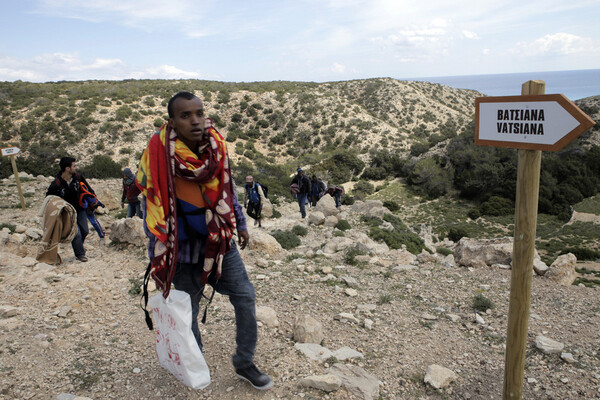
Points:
(470, 35)
(338, 68)
(63, 66)
(558, 44)
(486, 52)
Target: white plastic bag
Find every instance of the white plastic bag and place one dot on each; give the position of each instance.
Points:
(176, 346)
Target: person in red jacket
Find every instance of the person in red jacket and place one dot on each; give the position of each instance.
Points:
(130, 192)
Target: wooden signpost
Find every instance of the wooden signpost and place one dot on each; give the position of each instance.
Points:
(531, 123)
(12, 152)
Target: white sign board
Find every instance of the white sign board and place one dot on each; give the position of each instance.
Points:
(10, 151)
(543, 122)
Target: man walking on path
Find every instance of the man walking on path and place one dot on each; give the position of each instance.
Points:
(67, 185)
(131, 192)
(317, 190)
(253, 198)
(303, 190)
(185, 172)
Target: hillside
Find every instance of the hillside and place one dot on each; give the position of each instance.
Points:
(278, 121)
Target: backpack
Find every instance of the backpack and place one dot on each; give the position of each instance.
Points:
(265, 189)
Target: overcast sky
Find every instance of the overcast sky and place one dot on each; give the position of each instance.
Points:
(301, 40)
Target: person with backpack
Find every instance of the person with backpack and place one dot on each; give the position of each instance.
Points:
(336, 192)
(253, 198)
(131, 192)
(303, 190)
(317, 190)
(191, 213)
(68, 185)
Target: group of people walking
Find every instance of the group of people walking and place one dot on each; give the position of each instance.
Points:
(309, 191)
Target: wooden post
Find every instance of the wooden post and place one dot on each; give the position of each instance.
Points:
(528, 185)
(16, 173)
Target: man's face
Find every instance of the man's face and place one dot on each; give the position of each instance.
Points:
(188, 120)
(72, 169)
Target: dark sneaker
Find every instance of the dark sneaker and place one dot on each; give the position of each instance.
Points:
(257, 379)
(83, 259)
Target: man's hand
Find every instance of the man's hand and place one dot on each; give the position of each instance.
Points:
(243, 239)
(122, 204)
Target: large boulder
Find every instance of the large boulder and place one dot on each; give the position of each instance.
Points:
(128, 230)
(562, 270)
(366, 244)
(337, 243)
(267, 209)
(263, 242)
(316, 218)
(479, 252)
(326, 205)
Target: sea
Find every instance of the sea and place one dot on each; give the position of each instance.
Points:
(575, 84)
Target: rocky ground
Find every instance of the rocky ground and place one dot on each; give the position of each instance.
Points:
(76, 330)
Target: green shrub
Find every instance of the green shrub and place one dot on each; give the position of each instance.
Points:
(457, 233)
(10, 227)
(474, 213)
(363, 188)
(497, 206)
(391, 205)
(350, 257)
(482, 303)
(276, 214)
(103, 167)
(347, 200)
(343, 225)
(288, 240)
(299, 230)
(158, 122)
(583, 253)
(443, 251)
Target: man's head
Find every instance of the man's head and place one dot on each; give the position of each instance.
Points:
(314, 178)
(67, 162)
(186, 118)
(249, 180)
(300, 171)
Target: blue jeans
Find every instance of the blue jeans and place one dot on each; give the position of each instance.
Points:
(234, 283)
(338, 202)
(302, 204)
(82, 231)
(134, 209)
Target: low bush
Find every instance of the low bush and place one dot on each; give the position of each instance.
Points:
(343, 225)
(299, 230)
(350, 257)
(583, 253)
(391, 205)
(103, 167)
(482, 303)
(457, 233)
(474, 213)
(443, 251)
(288, 240)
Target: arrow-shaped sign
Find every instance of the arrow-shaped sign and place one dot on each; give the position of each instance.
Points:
(10, 151)
(541, 122)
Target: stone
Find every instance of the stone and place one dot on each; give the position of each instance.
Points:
(548, 346)
(267, 315)
(327, 383)
(128, 230)
(307, 330)
(349, 281)
(350, 292)
(480, 252)
(262, 242)
(562, 270)
(8, 311)
(327, 270)
(540, 267)
(314, 351)
(331, 221)
(479, 319)
(453, 317)
(336, 244)
(368, 324)
(343, 317)
(267, 208)
(316, 218)
(326, 205)
(429, 317)
(405, 267)
(439, 377)
(345, 353)
(63, 311)
(358, 381)
(568, 358)
(366, 308)
(33, 233)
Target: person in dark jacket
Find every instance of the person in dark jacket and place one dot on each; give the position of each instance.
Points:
(67, 185)
(130, 192)
(303, 190)
(317, 190)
